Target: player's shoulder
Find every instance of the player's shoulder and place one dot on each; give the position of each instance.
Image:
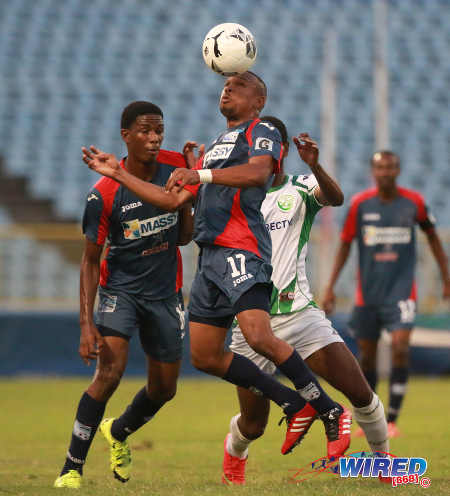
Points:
(264, 128)
(105, 187)
(172, 158)
(363, 196)
(411, 194)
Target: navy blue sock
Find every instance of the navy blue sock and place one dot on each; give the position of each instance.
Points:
(138, 413)
(243, 372)
(372, 378)
(295, 369)
(89, 415)
(397, 389)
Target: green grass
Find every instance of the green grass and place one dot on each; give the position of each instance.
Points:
(180, 451)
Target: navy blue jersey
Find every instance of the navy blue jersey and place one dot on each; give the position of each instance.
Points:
(387, 244)
(231, 217)
(142, 255)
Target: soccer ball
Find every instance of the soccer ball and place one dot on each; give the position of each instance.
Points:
(229, 49)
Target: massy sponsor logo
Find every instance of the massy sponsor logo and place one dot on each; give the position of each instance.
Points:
(385, 466)
(373, 235)
(130, 206)
(374, 216)
(278, 224)
(218, 152)
(397, 470)
(286, 202)
(136, 229)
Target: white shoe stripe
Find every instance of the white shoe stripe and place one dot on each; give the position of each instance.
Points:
(347, 431)
(303, 418)
(296, 430)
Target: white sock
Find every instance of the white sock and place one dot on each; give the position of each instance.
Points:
(372, 420)
(237, 444)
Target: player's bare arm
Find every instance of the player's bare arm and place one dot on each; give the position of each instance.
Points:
(329, 299)
(186, 225)
(328, 192)
(255, 173)
(108, 165)
(91, 341)
(441, 259)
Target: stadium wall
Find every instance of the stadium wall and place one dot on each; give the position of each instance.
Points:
(46, 343)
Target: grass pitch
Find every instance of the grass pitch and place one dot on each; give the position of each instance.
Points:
(180, 451)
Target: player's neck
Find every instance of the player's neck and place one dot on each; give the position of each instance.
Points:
(144, 171)
(387, 194)
(234, 121)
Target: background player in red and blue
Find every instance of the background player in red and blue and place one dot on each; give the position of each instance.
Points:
(138, 284)
(382, 220)
(233, 274)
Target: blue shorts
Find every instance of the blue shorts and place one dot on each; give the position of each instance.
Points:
(366, 322)
(223, 276)
(160, 323)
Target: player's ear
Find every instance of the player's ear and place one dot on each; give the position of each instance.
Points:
(125, 133)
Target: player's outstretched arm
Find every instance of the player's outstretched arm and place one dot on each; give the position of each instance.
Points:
(441, 259)
(255, 173)
(108, 165)
(329, 191)
(91, 342)
(329, 298)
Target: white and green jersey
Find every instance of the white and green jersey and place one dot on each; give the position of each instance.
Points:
(289, 211)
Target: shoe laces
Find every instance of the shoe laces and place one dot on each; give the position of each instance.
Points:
(121, 451)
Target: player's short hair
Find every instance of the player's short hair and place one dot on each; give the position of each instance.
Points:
(279, 125)
(378, 154)
(262, 84)
(133, 110)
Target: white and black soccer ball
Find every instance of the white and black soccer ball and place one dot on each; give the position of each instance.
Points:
(229, 49)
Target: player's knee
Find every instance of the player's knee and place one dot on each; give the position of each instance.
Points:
(253, 429)
(109, 377)
(261, 342)
(203, 363)
(400, 352)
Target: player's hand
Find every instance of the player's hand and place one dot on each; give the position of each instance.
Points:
(180, 177)
(446, 290)
(91, 343)
(101, 162)
(329, 301)
(189, 155)
(307, 149)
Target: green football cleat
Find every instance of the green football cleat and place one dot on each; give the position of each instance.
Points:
(71, 480)
(120, 455)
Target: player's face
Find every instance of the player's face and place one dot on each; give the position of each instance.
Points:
(144, 138)
(385, 170)
(241, 97)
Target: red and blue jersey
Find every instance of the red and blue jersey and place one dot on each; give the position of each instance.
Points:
(142, 256)
(231, 217)
(387, 244)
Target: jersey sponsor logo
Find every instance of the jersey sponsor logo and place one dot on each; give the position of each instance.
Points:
(219, 152)
(82, 431)
(263, 144)
(131, 206)
(373, 235)
(371, 216)
(230, 137)
(286, 202)
(156, 249)
(289, 296)
(279, 224)
(92, 196)
(136, 229)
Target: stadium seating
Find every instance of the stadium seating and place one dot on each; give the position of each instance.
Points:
(71, 67)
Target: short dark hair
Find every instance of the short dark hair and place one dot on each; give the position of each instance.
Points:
(279, 125)
(261, 82)
(387, 153)
(132, 111)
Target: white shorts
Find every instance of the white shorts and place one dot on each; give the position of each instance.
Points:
(306, 331)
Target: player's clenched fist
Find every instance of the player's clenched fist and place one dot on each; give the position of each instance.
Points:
(180, 177)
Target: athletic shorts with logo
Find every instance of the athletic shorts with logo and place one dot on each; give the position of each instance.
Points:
(223, 276)
(307, 331)
(160, 323)
(367, 321)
